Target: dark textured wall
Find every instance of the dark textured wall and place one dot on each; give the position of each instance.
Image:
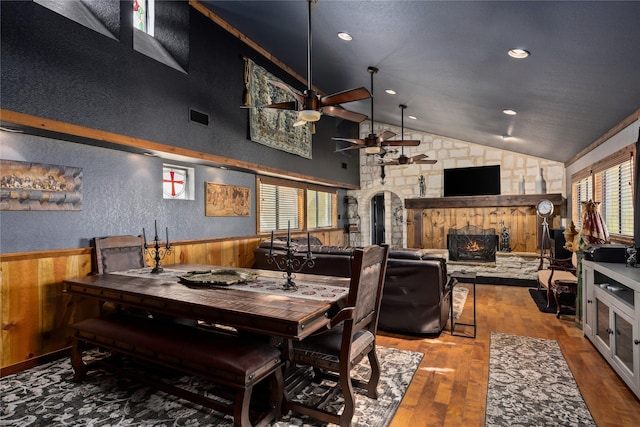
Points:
(55, 68)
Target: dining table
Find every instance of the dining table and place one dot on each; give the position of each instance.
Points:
(260, 305)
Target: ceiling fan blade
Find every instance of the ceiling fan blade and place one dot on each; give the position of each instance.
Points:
(391, 163)
(353, 147)
(289, 105)
(351, 140)
(425, 162)
(419, 157)
(385, 135)
(343, 114)
(405, 143)
(286, 87)
(349, 95)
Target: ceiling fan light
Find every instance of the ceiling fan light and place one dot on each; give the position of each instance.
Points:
(373, 150)
(309, 115)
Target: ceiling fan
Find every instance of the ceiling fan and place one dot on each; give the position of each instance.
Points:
(310, 105)
(373, 144)
(420, 159)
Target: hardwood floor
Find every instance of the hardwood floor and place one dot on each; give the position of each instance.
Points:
(450, 386)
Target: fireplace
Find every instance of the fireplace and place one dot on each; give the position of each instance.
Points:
(472, 243)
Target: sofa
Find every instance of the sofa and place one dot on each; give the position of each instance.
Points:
(416, 296)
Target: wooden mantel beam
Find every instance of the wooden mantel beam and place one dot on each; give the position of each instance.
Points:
(483, 201)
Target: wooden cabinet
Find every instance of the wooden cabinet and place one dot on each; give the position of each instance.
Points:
(611, 304)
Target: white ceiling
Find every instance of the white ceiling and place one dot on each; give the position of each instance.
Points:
(448, 62)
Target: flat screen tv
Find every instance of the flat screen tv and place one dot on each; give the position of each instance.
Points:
(472, 181)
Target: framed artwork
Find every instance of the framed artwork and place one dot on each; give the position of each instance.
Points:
(273, 127)
(26, 186)
(226, 200)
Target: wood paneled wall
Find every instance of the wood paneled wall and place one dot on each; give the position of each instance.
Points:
(429, 220)
(36, 313)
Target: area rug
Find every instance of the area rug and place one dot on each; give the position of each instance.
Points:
(530, 384)
(459, 298)
(45, 396)
(540, 298)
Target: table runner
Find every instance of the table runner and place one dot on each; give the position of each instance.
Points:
(308, 289)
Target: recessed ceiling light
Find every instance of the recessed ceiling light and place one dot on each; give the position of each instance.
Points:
(518, 53)
(413, 117)
(390, 91)
(509, 112)
(345, 36)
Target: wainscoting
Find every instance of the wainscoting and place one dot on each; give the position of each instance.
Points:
(36, 313)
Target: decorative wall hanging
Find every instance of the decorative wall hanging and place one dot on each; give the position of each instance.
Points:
(28, 186)
(227, 200)
(270, 127)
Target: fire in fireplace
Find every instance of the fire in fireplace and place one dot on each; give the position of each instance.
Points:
(472, 243)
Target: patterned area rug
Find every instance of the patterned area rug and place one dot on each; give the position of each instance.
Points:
(45, 396)
(459, 298)
(530, 384)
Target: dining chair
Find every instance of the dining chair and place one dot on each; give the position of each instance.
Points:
(118, 253)
(349, 337)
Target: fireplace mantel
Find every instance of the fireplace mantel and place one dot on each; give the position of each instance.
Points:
(511, 200)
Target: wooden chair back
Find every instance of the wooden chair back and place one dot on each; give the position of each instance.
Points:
(118, 253)
(351, 336)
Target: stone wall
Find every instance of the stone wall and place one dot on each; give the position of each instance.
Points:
(400, 184)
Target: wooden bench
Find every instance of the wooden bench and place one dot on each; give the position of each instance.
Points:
(230, 360)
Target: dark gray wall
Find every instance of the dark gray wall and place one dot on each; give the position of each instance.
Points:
(122, 193)
(55, 68)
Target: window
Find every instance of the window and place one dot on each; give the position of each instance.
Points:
(143, 16)
(283, 204)
(177, 182)
(319, 209)
(609, 182)
(615, 185)
(582, 192)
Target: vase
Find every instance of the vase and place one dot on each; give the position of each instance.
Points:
(521, 185)
(541, 184)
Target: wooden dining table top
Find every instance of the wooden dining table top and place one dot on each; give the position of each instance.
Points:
(275, 314)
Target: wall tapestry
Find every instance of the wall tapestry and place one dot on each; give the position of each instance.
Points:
(269, 126)
(28, 186)
(226, 200)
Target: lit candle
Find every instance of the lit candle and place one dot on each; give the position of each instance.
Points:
(271, 247)
(168, 245)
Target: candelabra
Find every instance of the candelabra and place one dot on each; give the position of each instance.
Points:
(289, 263)
(156, 251)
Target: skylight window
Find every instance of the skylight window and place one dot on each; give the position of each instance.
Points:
(143, 16)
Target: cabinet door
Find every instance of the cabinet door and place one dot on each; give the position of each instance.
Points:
(588, 306)
(623, 350)
(602, 321)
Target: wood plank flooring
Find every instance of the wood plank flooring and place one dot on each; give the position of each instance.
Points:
(450, 386)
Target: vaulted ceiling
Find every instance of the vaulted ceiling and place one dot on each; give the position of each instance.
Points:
(447, 61)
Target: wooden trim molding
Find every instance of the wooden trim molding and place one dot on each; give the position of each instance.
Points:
(482, 201)
(69, 132)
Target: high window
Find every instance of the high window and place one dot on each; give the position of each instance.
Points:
(609, 182)
(177, 182)
(283, 204)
